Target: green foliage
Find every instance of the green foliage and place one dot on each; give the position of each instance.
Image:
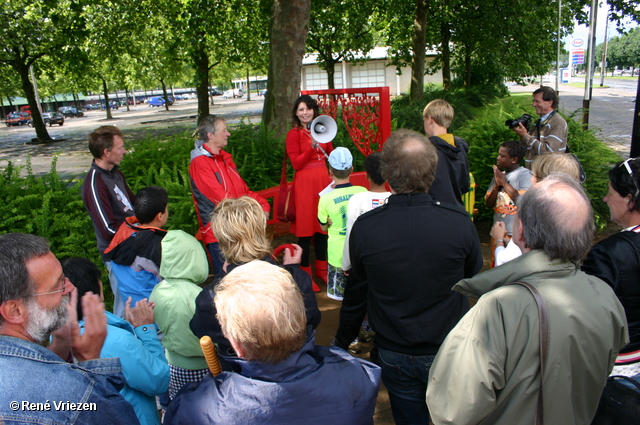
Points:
(407, 114)
(164, 162)
(596, 159)
(622, 51)
(49, 207)
(258, 155)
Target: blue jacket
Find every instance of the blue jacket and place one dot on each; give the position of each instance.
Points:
(144, 366)
(315, 385)
(33, 374)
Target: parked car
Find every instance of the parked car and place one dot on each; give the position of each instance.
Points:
(617, 73)
(70, 111)
(233, 93)
(112, 105)
(158, 101)
(263, 92)
(216, 92)
(18, 118)
(91, 106)
(50, 118)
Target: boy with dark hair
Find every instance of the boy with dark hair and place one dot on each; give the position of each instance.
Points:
(359, 204)
(133, 340)
(363, 202)
(505, 187)
(135, 250)
(332, 215)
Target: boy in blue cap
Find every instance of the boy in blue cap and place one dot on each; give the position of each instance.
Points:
(332, 215)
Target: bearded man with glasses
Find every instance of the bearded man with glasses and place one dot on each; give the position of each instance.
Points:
(36, 385)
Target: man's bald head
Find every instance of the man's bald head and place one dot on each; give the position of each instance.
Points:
(556, 217)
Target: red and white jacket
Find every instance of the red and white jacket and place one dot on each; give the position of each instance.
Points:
(214, 178)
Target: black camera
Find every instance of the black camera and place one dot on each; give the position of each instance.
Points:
(525, 119)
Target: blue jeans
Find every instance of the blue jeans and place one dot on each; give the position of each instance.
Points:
(118, 302)
(217, 259)
(406, 378)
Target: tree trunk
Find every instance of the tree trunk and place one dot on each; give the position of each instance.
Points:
(41, 130)
(446, 55)
(289, 29)
(418, 47)
(106, 99)
(201, 62)
(331, 74)
(126, 93)
(467, 66)
(248, 86)
(164, 93)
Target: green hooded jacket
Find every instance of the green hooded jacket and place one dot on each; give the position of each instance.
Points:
(184, 266)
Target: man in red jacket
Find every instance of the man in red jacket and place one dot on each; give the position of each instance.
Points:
(214, 177)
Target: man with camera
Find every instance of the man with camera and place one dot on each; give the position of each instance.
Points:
(549, 132)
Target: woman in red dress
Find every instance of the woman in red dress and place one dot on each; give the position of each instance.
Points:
(310, 178)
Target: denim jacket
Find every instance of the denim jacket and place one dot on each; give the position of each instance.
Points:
(37, 387)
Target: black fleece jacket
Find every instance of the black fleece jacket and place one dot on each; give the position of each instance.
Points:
(406, 256)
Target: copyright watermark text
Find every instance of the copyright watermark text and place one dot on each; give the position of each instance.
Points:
(51, 405)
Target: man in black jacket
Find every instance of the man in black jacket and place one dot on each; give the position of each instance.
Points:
(107, 196)
(406, 256)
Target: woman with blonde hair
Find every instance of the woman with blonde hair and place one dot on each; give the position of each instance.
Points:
(240, 226)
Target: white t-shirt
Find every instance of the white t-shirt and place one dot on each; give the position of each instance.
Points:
(359, 204)
(506, 254)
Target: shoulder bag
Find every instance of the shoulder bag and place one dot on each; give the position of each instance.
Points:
(543, 317)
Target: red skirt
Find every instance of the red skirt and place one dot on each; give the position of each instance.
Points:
(308, 183)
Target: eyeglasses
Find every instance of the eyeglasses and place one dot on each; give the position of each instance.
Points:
(63, 282)
(630, 171)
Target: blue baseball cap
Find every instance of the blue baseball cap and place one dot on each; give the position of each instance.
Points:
(341, 159)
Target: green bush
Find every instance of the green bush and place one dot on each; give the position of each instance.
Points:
(407, 114)
(49, 207)
(154, 162)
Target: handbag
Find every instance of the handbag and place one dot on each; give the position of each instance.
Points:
(286, 208)
(619, 403)
(543, 317)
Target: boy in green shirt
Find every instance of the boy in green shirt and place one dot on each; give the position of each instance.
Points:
(332, 215)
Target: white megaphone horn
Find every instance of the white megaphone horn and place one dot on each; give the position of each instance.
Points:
(323, 129)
